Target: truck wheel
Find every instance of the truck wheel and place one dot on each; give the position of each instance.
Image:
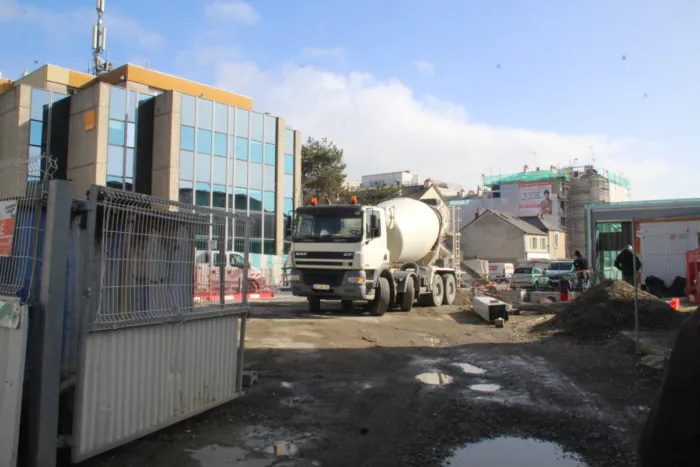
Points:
(347, 305)
(438, 291)
(380, 304)
(450, 289)
(314, 305)
(408, 296)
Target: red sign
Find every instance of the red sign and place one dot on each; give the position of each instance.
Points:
(7, 226)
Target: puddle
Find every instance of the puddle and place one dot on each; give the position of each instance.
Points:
(485, 387)
(436, 379)
(470, 369)
(513, 451)
(224, 456)
(286, 385)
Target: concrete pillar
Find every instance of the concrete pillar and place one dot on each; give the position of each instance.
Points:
(279, 187)
(297, 169)
(166, 146)
(88, 138)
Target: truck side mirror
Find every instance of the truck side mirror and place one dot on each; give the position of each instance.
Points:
(374, 224)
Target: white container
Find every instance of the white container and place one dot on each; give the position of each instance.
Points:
(490, 308)
(500, 270)
(413, 229)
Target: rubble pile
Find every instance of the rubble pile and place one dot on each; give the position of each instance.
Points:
(608, 308)
(463, 298)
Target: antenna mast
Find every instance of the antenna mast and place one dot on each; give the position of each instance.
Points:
(99, 42)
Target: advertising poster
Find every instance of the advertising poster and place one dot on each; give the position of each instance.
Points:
(536, 199)
(8, 209)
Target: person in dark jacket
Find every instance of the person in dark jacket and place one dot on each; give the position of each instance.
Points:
(581, 266)
(625, 263)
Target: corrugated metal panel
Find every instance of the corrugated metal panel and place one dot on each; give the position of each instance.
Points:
(134, 381)
(13, 350)
(663, 248)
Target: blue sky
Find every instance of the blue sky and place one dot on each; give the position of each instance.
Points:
(450, 89)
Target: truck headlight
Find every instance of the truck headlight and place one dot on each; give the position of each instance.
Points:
(294, 277)
(356, 279)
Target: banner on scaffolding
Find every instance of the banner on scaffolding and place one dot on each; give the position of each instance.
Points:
(536, 199)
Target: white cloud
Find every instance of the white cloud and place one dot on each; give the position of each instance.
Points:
(383, 126)
(239, 12)
(321, 52)
(9, 9)
(424, 67)
(206, 56)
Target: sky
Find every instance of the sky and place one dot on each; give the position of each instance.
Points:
(450, 90)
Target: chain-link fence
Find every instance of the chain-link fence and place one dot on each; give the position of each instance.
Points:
(162, 260)
(23, 188)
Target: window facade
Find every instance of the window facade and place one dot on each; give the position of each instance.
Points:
(288, 204)
(122, 151)
(228, 159)
(40, 120)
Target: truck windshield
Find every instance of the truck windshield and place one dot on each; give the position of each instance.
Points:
(328, 224)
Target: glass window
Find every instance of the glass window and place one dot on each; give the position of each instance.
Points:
(269, 201)
(289, 164)
(34, 152)
(218, 196)
(187, 138)
(188, 106)
(269, 227)
(117, 132)
(256, 176)
(219, 171)
(255, 244)
(203, 141)
(129, 166)
(132, 106)
(242, 148)
(131, 135)
(256, 126)
(270, 154)
(187, 165)
(115, 182)
(203, 168)
(256, 225)
(220, 144)
(255, 199)
(289, 142)
(288, 186)
(231, 120)
(241, 200)
(269, 247)
(241, 174)
(117, 103)
(242, 116)
(115, 160)
(270, 129)
(256, 151)
(40, 98)
(221, 117)
(202, 195)
(35, 132)
(288, 206)
(543, 243)
(229, 179)
(205, 110)
(269, 181)
(185, 192)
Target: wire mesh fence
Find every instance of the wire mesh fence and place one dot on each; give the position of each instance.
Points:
(23, 188)
(162, 260)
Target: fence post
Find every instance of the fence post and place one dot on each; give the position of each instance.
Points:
(246, 260)
(47, 329)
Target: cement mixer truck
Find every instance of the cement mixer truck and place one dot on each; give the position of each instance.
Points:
(390, 255)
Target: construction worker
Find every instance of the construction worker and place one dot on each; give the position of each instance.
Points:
(581, 266)
(565, 286)
(625, 262)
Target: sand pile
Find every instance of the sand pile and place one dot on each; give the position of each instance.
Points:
(608, 308)
(463, 298)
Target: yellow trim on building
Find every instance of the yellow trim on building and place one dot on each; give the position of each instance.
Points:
(5, 85)
(167, 82)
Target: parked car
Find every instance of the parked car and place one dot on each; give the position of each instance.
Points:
(557, 269)
(529, 277)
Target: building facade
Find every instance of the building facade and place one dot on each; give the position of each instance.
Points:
(405, 178)
(139, 130)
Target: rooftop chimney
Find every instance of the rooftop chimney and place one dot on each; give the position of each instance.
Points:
(428, 183)
(526, 169)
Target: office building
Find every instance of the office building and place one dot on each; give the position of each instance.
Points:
(140, 130)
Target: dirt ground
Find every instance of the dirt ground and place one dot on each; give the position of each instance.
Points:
(346, 389)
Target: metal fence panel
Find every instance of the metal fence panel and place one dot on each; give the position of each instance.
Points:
(163, 322)
(13, 344)
(140, 379)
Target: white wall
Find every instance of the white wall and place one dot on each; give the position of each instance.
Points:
(618, 193)
(663, 247)
(404, 178)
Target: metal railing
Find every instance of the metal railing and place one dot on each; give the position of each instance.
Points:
(23, 188)
(150, 266)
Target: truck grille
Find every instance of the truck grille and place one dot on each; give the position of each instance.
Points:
(321, 276)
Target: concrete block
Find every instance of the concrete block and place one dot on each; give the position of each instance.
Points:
(249, 378)
(490, 309)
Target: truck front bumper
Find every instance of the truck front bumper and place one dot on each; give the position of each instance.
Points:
(333, 285)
